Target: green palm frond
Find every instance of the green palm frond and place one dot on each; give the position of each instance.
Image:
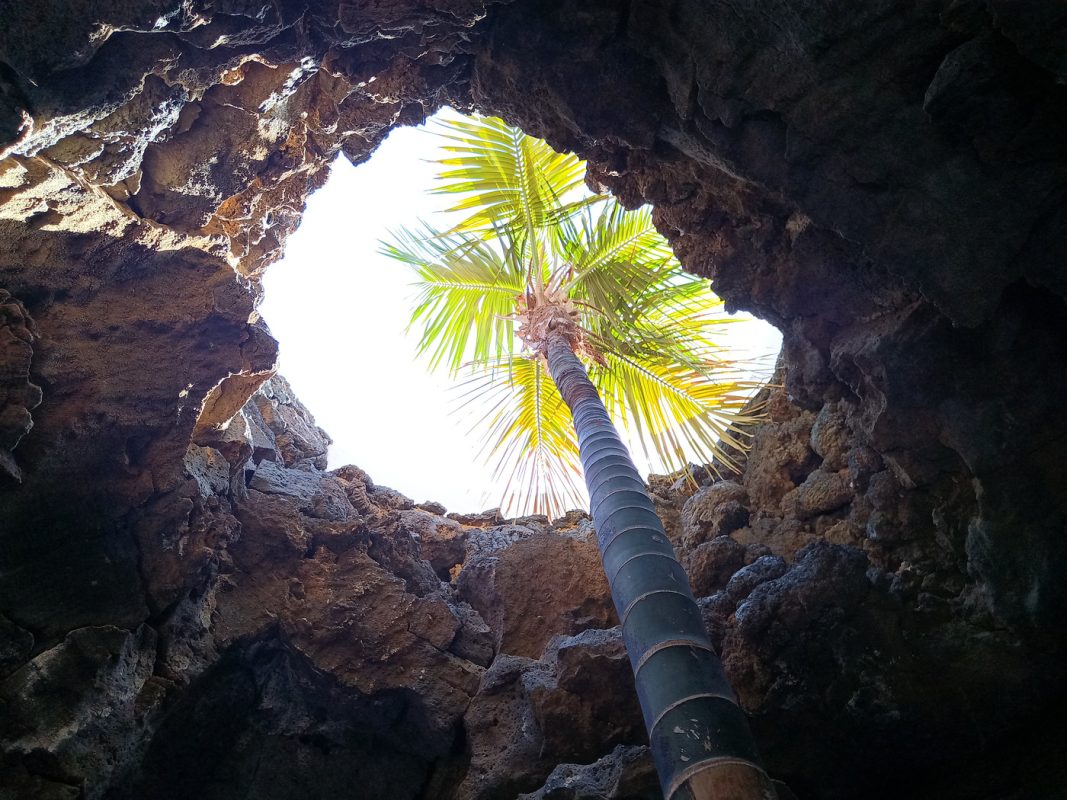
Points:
(679, 320)
(526, 434)
(677, 413)
(667, 379)
(466, 294)
(508, 180)
(613, 258)
(616, 236)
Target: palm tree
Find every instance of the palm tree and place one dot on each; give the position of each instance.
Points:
(537, 265)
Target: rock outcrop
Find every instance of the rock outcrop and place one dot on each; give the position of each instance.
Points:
(190, 605)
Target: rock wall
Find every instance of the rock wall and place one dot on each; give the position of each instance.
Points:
(190, 606)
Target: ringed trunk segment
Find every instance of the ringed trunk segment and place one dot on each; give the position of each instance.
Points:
(698, 734)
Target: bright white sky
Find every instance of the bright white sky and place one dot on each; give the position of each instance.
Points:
(339, 310)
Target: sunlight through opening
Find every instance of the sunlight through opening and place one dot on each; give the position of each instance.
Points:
(339, 310)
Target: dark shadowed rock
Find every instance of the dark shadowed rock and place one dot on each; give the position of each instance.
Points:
(78, 709)
(712, 563)
(763, 569)
(530, 715)
(16, 644)
(262, 718)
(626, 773)
(18, 394)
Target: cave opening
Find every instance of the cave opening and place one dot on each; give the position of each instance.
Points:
(339, 309)
(884, 580)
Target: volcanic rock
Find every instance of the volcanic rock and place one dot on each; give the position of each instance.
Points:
(192, 605)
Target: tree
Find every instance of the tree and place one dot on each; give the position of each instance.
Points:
(568, 277)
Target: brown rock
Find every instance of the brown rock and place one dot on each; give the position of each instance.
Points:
(820, 493)
(528, 715)
(779, 459)
(355, 621)
(715, 510)
(830, 437)
(504, 738)
(711, 564)
(538, 587)
(782, 537)
(585, 708)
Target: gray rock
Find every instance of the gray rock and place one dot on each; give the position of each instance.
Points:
(273, 478)
(79, 704)
(626, 773)
(763, 569)
(208, 468)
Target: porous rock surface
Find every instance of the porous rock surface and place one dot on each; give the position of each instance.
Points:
(191, 606)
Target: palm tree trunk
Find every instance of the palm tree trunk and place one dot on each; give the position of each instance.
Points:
(698, 734)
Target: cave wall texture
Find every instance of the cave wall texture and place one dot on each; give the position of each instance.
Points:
(191, 606)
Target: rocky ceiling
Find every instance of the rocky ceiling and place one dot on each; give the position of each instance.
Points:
(191, 607)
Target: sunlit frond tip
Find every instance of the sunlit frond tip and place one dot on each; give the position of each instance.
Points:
(525, 433)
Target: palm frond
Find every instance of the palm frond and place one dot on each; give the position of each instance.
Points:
(618, 236)
(615, 259)
(677, 413)
(682, 323)
(525, 431)
(508, 179)
(466, 294)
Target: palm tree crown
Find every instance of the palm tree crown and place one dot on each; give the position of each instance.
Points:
(533, 236)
